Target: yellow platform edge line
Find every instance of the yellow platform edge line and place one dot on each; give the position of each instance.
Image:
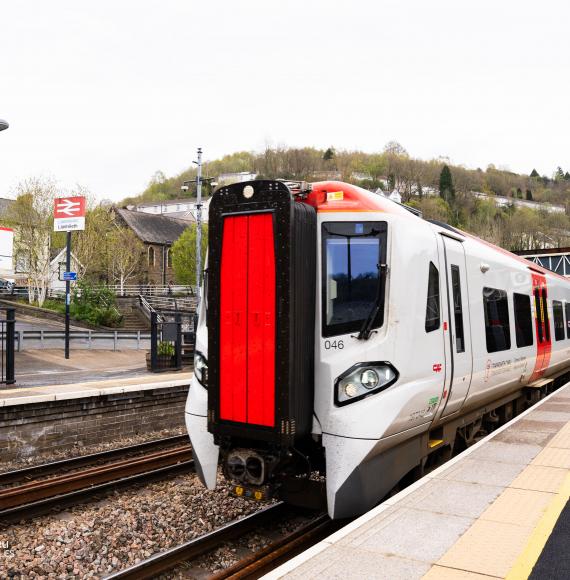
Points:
(529, 557)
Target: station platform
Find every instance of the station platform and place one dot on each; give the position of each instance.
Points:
(498, 510)
(94, 388)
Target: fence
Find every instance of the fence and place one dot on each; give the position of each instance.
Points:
(7, 327)
(127, 290)
(172, 340)
(31, 339)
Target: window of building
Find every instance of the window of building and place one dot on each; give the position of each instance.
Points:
(497, 329)
(432, 308)
(457, 309)
(353, 280)
(558, 315)
(169, 258)
(523, 320)
(151, 256)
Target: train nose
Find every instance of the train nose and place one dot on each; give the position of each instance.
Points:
(246, 466)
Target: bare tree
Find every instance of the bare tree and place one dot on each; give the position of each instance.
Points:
(125, 251)
(31, 215)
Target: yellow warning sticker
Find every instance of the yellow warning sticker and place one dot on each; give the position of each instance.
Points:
(335, 195)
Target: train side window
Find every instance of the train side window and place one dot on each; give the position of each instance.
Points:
(523, 320)
(537, 306)
(546, 320)
(432, 309)
(567, 309)
(457, 309)
(558, 316)
(497, 329)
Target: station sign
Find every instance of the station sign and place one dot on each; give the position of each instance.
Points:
(69, 214)
(69, 276)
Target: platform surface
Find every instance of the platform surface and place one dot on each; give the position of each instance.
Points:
(116, 385)
(498, 510)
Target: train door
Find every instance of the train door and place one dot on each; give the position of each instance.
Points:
(460, 364)
(542, 325)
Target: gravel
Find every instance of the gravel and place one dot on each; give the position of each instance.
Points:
(78, 450)
(94, 540)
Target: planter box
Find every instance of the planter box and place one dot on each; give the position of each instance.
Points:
(163, 363)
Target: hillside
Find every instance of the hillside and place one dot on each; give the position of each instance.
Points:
(418, 182)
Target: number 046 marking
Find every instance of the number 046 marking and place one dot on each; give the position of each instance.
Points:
(334, 344)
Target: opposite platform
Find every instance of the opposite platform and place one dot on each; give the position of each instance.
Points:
(489, 512)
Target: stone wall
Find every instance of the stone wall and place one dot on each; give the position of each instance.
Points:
(42, 428)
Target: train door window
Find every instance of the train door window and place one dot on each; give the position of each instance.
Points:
(497, 329)
(567, 312)
(353, 277)
(558, 315)
(457, 309)
(546, 320)
(432, 309)
(523, 320)
(538, 308)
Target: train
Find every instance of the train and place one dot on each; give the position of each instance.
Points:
(344, 344)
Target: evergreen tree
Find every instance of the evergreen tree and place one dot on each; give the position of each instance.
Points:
(329, 154)
(559, 175)
(446, 189)
(567, 176)
(534, 173)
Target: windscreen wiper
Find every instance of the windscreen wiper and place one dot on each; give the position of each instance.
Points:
(366, 330)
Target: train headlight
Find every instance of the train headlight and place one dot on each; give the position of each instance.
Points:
(201, 368)
(362, 380)
(369, 379)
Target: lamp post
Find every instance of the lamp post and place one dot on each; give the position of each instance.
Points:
(3, 124)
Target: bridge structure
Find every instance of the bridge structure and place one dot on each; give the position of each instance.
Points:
(554, 259)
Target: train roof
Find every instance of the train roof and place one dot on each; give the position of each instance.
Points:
(337, 196)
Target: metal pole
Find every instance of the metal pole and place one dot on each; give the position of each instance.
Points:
(67, 296)
(10, 358)
(199, 223)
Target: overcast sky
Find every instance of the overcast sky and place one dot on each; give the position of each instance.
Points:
(106, 93)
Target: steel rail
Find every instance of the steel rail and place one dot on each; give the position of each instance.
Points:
(169, 559)
(44, 506)
(36, 471)
(279, 551)
(37, 490)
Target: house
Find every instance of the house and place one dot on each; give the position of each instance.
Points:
(157, 233)
(237, 177)
(184, 209)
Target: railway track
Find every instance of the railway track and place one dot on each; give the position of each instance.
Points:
(38, 497)
(253, 565)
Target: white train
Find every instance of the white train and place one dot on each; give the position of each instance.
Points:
(343, 335)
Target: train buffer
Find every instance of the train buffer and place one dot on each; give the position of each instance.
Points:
(498, 510)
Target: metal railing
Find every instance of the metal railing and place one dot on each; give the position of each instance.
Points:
(34, 339)
(128, 290)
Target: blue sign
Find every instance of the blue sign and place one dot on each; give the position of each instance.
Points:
(69, 276)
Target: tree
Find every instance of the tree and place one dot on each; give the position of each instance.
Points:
(31, 215)
(88, 245)
(329, 154)
(534, 173)
(446, 189)
(184, 254)
(395, 148)
(567, 176)
(559, 175)
(124, 251)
